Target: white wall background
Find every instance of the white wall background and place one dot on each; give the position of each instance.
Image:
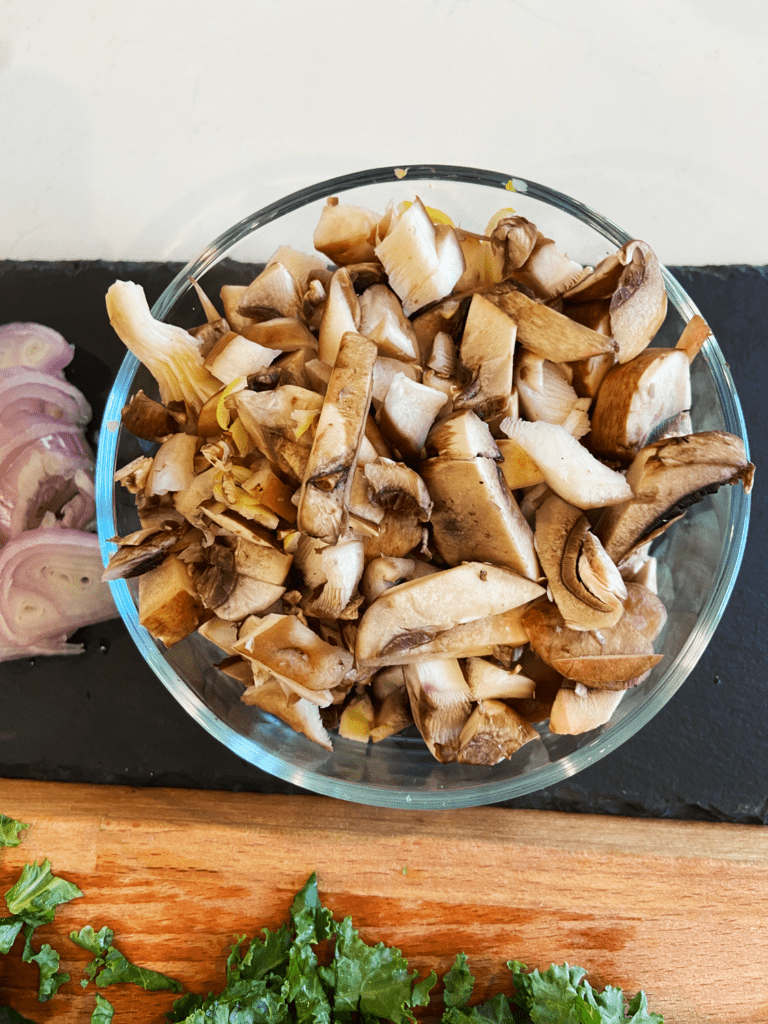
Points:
(141, 129)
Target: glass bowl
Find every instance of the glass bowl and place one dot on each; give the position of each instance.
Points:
(698, 558)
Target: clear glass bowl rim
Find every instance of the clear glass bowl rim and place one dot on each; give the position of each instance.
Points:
(367, 793)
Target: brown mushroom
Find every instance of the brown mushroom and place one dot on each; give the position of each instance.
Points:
(493, 732)
(666, 479)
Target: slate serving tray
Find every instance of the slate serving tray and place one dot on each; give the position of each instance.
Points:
(104, 718)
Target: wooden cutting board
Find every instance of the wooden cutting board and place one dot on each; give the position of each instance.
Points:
(678, 909)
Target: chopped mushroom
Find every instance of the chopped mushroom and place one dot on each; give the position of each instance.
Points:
(363, 511)
(666, 479)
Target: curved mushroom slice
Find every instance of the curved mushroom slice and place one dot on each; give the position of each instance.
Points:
(480, 638)
(483, 267)
(588, 374)
(294, 653)
(666, 479)
(492, 733)
(546, 332)
(607, 658)
(545, 394)
(346, 233)
(415, 613)
(487, 679)
(341, 313)
(486, 353)
(242, 580)
(173, 465)
(142, 550)
(407, 414)
(382, 573)
(300, 714)
(475, 517)
(343, 565)
(566, 465)
(639, 303)
(394, 486)
(462, 435)
(584, 583)
(636, 397)
(578, 709)
(324, 498)
(396, 536)
(440, 704)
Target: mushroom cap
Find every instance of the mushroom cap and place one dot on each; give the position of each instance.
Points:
(666, 478)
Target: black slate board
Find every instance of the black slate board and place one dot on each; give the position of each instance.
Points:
(103, 717)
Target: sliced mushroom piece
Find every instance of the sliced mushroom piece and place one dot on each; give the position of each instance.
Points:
(487, 679)
(170, 607)
(423, 261)
(300, 714)
(341, 313)
(545, 394)
(588, 374)
(440, 704)
(272, 293)
(636, 398)
(483, 266)
(173, 465)
(518, 468)
(383, 321)
(396, 536)
(546, 332)
(666, 479)
(324, 498)
(639, 303)
(342, 565)
(416, 612)
(492, 733)
(462, 435)
(514, 239)
(480, 638)
(486, 353)
(396, 487)
(384, 572)
(294, 653)
(221, 633)
(475, 516)
(610, 658)
(235, 356)
(269, 490)
(148, 419)
(346, 233)
(568, 468)
(384, 372)
(283, 333)
(547, 681)
(584, 583)
(142, 551)
(447, 316)
(303, 267)
(578, 709)
(277, 422)
(694, 334)
(644, 610)
(547, 271)
(407, 414)
(392, 704)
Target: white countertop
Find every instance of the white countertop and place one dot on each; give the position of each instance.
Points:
(142, 130)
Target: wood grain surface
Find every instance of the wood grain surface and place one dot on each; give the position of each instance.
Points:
(675, 908)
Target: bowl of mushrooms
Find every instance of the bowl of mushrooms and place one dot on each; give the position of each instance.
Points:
(423, 487)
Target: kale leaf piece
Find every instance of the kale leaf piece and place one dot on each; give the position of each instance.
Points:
(10, 832)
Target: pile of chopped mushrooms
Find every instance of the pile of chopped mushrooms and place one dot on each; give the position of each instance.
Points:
(417, 479)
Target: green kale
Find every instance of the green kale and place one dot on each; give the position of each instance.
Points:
(10, 831)
(111, 967)
(103, 1012)
(279, 979)
(47, 959)
(37, 893)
